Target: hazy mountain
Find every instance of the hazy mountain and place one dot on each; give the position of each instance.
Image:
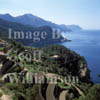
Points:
(17, 27)
(71, 27)
(29, 19)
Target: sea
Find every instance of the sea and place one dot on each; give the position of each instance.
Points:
(87, 44)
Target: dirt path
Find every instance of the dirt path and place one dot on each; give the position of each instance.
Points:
(5, 97)
(63, 95)
(80, 91)
(38, 77)
(50, 92)
(39, 96)
(3, 54)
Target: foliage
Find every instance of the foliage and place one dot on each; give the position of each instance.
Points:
(23, 92)
(1, 94)
(67, 63)
(93, 93)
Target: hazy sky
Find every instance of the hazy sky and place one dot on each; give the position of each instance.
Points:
(85, 13)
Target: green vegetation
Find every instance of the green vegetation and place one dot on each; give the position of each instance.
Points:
(1, 94)
(5, 90)
(67, 62)
(93, 93)
(63, 86)
(23, 92)
(1, 48)
(55, 60)
(5, 25)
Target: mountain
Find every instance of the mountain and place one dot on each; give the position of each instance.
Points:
(29, 19)
(71, 27)
(7, 17)
(24, 31)
(45, 78)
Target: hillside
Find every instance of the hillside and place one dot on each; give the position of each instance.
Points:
(29, 19)
(5, 25)
(56, 61)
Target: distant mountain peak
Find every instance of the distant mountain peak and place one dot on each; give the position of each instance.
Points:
(7, 17)
(27, 15)
(35, 21)
(7, 14)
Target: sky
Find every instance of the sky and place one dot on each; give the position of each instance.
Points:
(85, 13)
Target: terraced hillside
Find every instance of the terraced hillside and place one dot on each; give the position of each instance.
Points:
(31, 79)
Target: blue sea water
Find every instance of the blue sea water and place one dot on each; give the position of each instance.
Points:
(87, 44)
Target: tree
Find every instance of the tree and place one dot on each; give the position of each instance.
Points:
(93, 93)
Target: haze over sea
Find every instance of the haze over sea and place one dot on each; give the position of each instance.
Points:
(87, 44)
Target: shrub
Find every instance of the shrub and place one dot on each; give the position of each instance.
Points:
(1, 94)
(93, 93)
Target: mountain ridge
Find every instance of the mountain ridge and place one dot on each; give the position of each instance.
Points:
(23, 29)
(35, 21)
